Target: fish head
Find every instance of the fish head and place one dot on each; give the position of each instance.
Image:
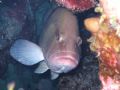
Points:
(60, 43)
(63, 54)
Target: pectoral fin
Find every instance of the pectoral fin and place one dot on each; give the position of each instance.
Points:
(26, 52)
(42, 67)
(54, 75)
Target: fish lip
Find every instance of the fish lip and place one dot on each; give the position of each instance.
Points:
(68, 55)
(66, 58)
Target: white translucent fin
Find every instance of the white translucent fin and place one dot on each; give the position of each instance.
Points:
(42, 67)
(54, 75)
(26, 52)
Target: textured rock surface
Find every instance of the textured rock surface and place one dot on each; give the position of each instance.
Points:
(9, 27)
(86, 78)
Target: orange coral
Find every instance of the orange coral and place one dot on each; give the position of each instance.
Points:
(106, 43)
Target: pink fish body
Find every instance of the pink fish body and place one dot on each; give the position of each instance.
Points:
(58, 45)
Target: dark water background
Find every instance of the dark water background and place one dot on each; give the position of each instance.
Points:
(24, 19)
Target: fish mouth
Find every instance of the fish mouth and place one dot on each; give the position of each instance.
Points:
(64, 61)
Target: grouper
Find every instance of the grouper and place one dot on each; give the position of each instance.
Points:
(58, 48)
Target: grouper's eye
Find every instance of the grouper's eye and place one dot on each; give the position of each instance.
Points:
(79, 41)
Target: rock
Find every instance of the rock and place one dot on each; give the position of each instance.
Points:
(84, 79)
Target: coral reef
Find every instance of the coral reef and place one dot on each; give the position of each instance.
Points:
(77, 5)
(105, 41)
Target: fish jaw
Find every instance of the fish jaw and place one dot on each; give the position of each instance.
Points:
(63, 61)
